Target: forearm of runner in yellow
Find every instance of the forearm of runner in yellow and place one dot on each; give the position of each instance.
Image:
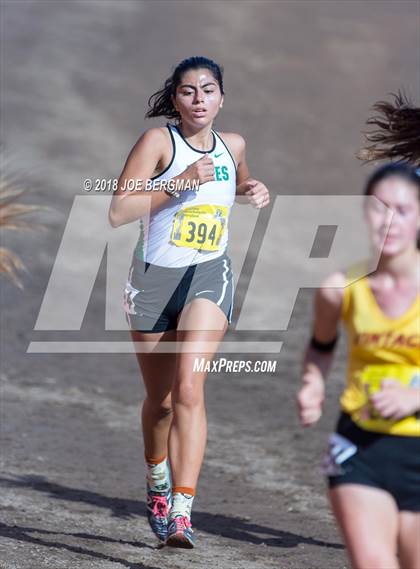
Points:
(325, 328)
(316, 365)
(311, 395)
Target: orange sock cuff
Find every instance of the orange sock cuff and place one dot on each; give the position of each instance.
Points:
(154, 460)
(184, 490)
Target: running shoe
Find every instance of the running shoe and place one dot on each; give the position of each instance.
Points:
(180, 533)
(158, 505)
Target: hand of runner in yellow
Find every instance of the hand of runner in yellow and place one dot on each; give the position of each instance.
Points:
(201, 170)
(396, 401)
(257, 193)
(310, 400)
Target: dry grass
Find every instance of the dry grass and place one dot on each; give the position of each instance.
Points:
(13, 217)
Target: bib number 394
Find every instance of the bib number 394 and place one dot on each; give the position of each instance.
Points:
(199, 227)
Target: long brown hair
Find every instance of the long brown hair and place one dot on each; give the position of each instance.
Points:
(161, 104)
(397, 132)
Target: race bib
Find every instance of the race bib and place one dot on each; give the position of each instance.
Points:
(200, 227)
(371, 380)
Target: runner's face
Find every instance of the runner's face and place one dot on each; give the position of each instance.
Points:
(198, 97)
(397, 203)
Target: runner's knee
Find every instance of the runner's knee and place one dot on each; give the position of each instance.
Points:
(188, 393)
(160, 408)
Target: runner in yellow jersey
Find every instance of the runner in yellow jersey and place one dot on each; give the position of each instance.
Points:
(180, 284)
(373, 462)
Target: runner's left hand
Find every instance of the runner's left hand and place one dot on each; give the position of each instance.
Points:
(395, 401)
(257, 193)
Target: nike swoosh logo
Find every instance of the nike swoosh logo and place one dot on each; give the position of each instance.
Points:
(201, 292)
(217, 155)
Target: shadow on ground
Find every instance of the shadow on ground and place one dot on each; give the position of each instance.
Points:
(226, 526)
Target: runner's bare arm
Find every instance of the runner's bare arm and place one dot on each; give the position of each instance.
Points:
(255, 191)
(238, 149)
(142, 162)
(317, 363)
(140, 166)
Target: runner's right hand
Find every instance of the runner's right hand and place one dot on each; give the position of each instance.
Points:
(202, 170)
(309, 400)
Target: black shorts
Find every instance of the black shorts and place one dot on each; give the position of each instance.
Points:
(389, 462)
(154, 296)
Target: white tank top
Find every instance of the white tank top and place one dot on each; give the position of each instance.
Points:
(154, 244)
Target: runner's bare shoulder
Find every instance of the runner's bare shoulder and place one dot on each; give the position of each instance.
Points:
(331, 292)
(235, 142)
(152, 139)
(153, 147)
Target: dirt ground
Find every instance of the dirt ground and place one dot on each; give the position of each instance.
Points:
(300, 77)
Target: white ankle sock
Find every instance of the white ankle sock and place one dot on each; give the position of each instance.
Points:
(157, 476)
(181, 505)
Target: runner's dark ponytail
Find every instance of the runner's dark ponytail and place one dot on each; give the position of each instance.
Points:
(160, 103)
(397, 133)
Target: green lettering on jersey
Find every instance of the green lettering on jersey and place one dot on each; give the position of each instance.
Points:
(221, 173)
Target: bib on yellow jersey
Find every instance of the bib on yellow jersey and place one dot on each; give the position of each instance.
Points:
(371, 378)
(200, 227)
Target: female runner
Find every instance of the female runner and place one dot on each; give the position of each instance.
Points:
(373, 464)
(180, 285)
